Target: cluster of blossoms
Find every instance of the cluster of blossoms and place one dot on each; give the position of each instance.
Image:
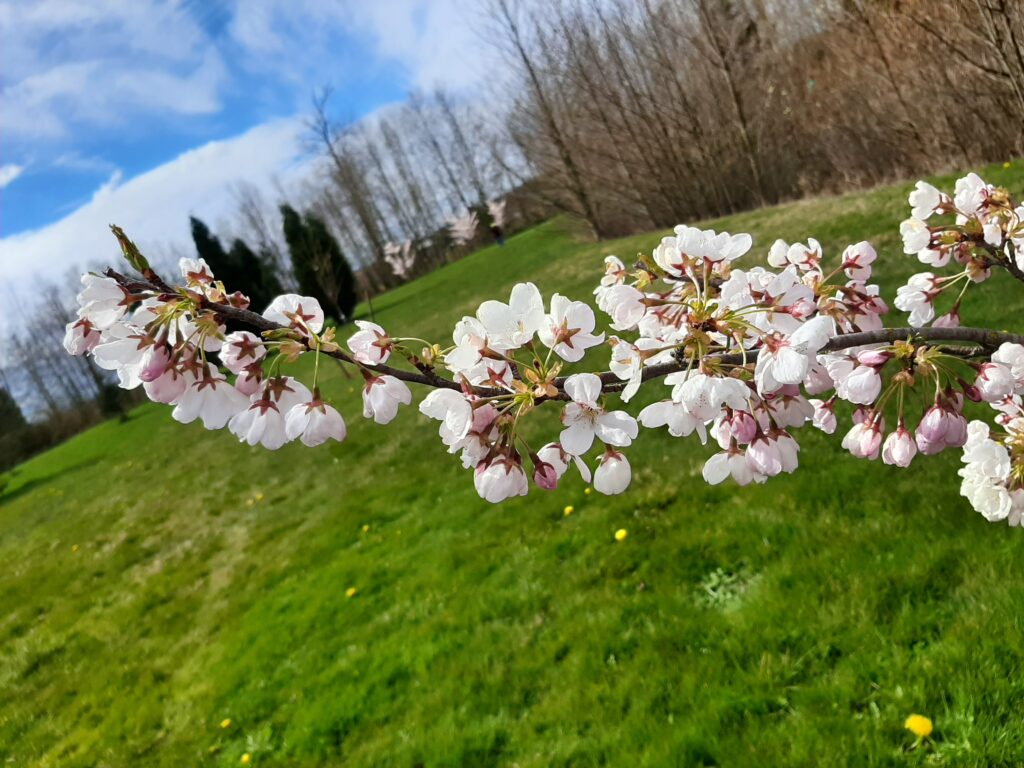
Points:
(987, 231)
(749, 355)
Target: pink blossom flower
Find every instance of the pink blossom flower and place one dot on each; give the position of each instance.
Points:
(510, 326)
(210, 398)
(169, 386)
(764, 456)
(625, 305)
(556, 456)
(121, 349)
(730, 463)
(675, 416)
(787, 360)
(949, 320)
(857, 260)
(155, 361)
(500, 478)
(916, 235)
(924, 200)
(452, 409)
(300, 312)
(102, 301)
(917, 297)
(241, 349)
(286, 392)
(196, 273)
(262, 423)
(370, 344)
(314, 423)
(568, 329)
(382, 396)
(584, 419)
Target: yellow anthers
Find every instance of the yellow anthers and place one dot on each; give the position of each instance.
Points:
(903, 349)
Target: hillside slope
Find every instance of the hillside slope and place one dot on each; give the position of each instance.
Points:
(160, 579)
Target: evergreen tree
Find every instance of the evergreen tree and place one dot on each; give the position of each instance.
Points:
(260, 282)
(240, 269)
(208, 247)
(11, 417)
(319, 266)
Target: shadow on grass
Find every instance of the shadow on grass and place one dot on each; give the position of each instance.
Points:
(7, 496)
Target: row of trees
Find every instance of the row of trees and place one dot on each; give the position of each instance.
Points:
(317, 266)
(646, 113)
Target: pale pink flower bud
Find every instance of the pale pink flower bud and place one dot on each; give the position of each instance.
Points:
(154, 362)
(994, 382)
(931, 431)
(80, 336)
(613, 473)
(899, 448)
(544, 476)
(824, 415)
(250, 379)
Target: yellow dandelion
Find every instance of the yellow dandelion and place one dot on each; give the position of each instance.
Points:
(246, 759)
(74, 547)
(1006, 164)
(225, 723)
(621, 534)
(258, 495)
(919, 725)
(351, 592)
(366, 528)
(587, 491)
(568, 510)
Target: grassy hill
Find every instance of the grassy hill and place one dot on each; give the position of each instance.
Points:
(170, 597)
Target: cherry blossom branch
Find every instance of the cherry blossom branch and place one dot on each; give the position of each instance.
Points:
(751, 354)
(985, 340)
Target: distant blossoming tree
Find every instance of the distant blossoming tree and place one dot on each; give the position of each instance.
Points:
(747, 357)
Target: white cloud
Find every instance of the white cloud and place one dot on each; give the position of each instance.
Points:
(433, 41)
(9, 173)
(153, 208)
(74, 63)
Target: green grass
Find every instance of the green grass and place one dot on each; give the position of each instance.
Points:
(158, 579)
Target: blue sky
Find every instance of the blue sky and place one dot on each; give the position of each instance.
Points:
(143, 111)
